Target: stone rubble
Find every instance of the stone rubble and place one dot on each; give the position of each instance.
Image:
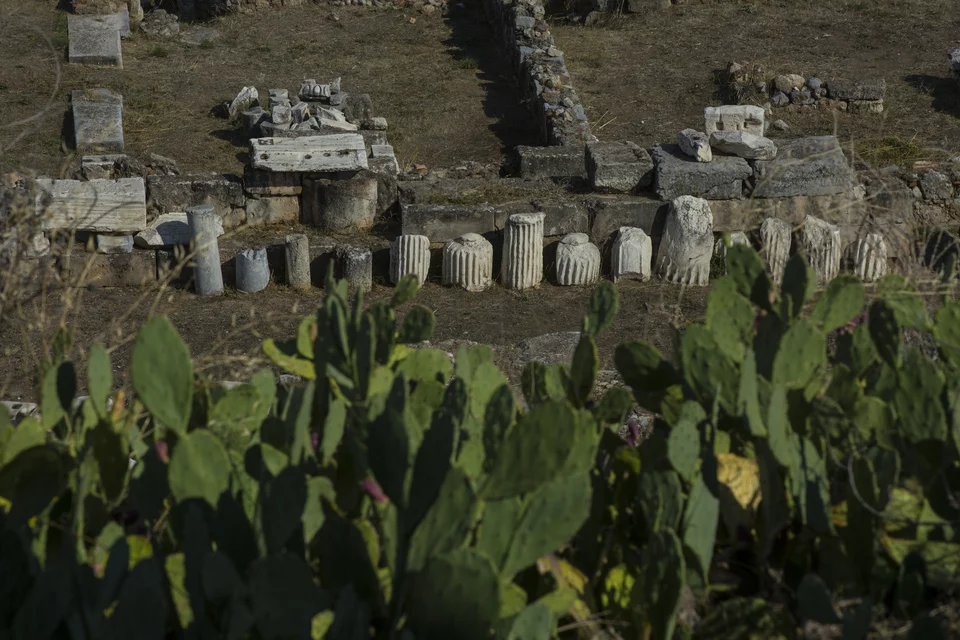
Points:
(160, 24)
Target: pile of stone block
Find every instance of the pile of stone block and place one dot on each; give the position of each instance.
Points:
(856, 95)
(541, 69)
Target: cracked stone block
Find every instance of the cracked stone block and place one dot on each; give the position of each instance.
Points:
(618, 167)
(678, 174)
(552, 162)
(811, 166)
(94, 40)
(103, 206)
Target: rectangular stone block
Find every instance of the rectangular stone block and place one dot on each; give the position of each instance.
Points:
(552, 162)
(741, 117)
(114, 244)
(258, 182)
(169, 194)
(803, 167)
(609, 214)
(444, 222)
(863, 89)
(115, 270)
(677, 174)
(97, 121)
(94, 40)
(311, 154)
(273, 210)
(385, 153)
(103, 206)
(618, 167)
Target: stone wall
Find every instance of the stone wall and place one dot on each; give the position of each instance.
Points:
(542, 72)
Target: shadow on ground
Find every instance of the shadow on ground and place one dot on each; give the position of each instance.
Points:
(474, 43)
(945, 91)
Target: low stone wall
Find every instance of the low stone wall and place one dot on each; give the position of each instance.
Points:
(544, 80)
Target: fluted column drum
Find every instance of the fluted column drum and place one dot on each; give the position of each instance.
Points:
(870, 257)
(578, 260)
(523, 251)
(409, 254)
(775, 246)
(468, 262)
(823, 247)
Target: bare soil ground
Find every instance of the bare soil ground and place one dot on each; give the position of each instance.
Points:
(644, 77)
(440, 82)
(225, 332)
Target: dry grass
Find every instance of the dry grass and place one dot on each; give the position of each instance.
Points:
(440, 82)
(645, 77)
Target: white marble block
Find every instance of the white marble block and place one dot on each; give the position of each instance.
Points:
(102, 206)
(632, 254)
(870, 257)
(821, 243)
(687, 243)
(578, 260)
(468, 262)
(523, 251)
(775, 236)
(409, 254)
(744, 117)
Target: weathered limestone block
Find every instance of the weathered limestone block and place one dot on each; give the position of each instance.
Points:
(551, 162)
(272, 210)
(297, 260)
(578, 260)
(103, 206)
(94, 40)
(355, 265)
(468, 262)
(252, 121)
(207, 276)
(523, 251)
(678, 174)
(821, 243)
(97, 121)
(258, 182)
(743, 145)
(247, 99)
(114, 244)
(632, 255)
(409, 255)
(386, 152)
(341, 205)
(687, 243)
(618, 167)
(804, 167)
(870, 257)
(445, 222)
(747, 118)
(310, 154)
(253, 270)
(167, 230)
(775, 240)
(695, 144)
(172, 194)
(863, 89)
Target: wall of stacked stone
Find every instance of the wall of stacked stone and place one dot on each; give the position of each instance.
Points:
(542, 72)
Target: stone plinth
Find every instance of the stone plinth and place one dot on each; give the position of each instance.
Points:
(578, 260)
(102, 206)
(870, 257)
(687, 243)
(310, 154)
(631, 255)
(409, 255)
(253, 270)
(355, 265)
(523, 251)
(820, 242)
(775, 239)
(97, 121)
(207, 276)
(468, 262)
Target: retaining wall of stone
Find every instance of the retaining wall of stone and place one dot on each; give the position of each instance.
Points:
(544, 80)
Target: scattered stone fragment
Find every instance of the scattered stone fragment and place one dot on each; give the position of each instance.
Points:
(245, 100)
(780, 125)
(279, 97)
(870, 257)
(747, 118)
(281, 115)
(94, 40)
(376, 123)
(744, 145)
(114, 244)
(631, 255)
(618, 167)
(300, 112)
(779, 99)
(160, 24)
(97, 121)
(687, 243)
(695, 144)
(252, 121)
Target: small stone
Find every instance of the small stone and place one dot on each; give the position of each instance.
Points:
(865, 106)
(779, 99)
(814, 84)
(744, 145)
(695, 144)
(789, 82)
(780, 125)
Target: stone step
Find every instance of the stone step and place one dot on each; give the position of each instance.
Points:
(97, 121)
(95, 40)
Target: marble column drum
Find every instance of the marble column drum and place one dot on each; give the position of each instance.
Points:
(523, 251)
(632, 255)
(823, 247)
(578, 260)
(468, 262)
(409, 254)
